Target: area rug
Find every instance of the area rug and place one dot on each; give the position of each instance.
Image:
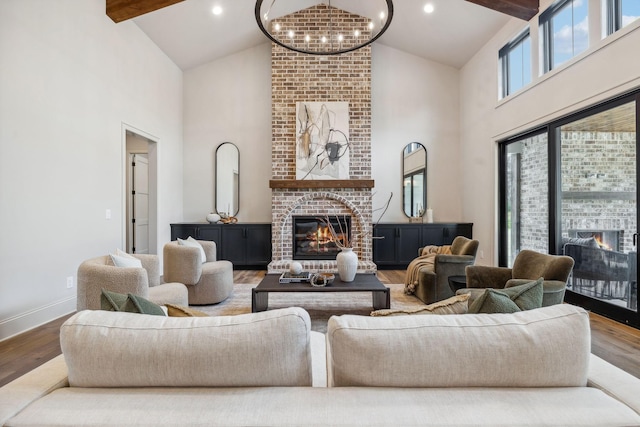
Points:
(320, 306)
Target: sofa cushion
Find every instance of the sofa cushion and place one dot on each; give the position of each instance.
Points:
(509, 300)
(456, 304)
(116, 349)
(545, 347)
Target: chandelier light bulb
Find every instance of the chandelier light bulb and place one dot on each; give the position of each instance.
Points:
(291, 34)
(307, 38)
(277, 27)
(381, 16)
(371, 25)
(340, 37)
(356, 33)
(324, 39)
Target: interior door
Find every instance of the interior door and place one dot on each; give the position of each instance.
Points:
(140, 204)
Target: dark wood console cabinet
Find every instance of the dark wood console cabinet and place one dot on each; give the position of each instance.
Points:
(396, 245)
(247, 246)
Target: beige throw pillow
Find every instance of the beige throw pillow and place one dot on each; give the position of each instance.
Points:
(457, 304)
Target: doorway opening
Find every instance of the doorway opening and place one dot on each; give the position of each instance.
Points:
(140, 192)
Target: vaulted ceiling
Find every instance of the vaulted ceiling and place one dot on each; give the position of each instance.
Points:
(190, 35)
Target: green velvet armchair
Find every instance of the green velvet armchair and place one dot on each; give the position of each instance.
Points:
(429, 281)
(527, 266)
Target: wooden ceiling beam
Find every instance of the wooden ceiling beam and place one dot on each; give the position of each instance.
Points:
(121, 10)
(523, 9)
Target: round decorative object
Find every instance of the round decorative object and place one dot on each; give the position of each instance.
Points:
(347, 264)
(213, 217)
(295, 268)
(322, 279)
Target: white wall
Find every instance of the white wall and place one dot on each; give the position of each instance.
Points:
(415, 100)
(69, 79)
(609, 67)
(229, 100)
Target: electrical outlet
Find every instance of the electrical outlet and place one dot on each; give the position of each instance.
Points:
(107, 214)
(69, 282)
(481, 254)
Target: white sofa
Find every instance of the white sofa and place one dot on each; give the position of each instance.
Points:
(269, 369)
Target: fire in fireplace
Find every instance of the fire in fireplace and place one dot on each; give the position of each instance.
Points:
(313, 240)
(606, 239)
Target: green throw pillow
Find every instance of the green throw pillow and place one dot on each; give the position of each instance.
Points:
(526, 296)
(137, 304)
(113, 301)
(493, 301)
(509, 300)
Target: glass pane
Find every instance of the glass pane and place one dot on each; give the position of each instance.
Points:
(580, 26)
(526, 61)
(562, 24)
(515, 69)
(598, 218)
(527, 207)
(630, 11)
(570, 31)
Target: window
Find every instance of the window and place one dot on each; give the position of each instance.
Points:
(621, 13)
(515, 63)
(565, 31)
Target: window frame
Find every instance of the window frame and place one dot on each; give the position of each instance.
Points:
(545, 22)
(503, 57)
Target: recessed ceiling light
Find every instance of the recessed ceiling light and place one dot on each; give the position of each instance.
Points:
(217, 10)
(428, 8)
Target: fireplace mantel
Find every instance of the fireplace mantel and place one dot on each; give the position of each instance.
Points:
(321, 183)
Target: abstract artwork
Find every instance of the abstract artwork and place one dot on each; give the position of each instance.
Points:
(322, 140)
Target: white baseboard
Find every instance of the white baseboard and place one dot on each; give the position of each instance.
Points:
(32, 319)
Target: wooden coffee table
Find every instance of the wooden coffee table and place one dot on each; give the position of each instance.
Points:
(362, 283)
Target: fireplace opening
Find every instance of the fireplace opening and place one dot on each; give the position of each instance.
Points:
(606, 239)
(313, 240)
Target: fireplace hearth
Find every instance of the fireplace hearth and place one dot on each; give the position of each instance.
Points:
(312, 239)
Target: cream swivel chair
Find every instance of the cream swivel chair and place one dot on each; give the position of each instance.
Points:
(209, 282)
(97, 273)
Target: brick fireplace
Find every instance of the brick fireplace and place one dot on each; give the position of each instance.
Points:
(299, 77)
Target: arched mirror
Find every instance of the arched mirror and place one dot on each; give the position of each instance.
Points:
(414, 179)
(227, 179)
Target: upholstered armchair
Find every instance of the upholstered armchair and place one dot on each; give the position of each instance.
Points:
(97, 273)
(527, 266)
(207, 282)
(428, 275)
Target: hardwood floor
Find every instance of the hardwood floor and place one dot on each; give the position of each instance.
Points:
(614, 342)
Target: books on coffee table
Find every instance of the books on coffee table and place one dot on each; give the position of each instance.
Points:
(288, 277)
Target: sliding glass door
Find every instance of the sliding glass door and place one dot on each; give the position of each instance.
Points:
(598, 206)
(570, 188)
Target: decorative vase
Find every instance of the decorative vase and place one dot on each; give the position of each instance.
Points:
(213, 217)
(347, 264)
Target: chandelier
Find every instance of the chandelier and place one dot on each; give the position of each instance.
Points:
(323, 28)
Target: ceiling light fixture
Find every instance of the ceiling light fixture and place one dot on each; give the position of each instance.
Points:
(428, 8)
(217, 10)
(322, 29)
